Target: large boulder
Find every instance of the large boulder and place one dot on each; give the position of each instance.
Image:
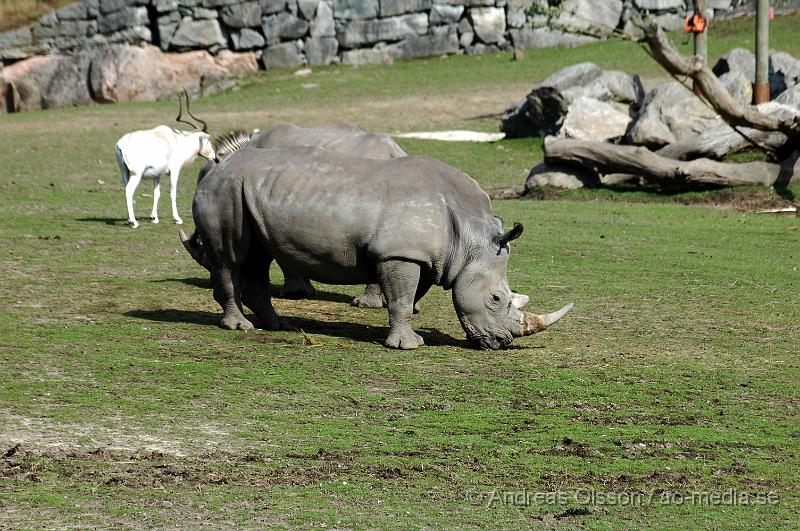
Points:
(591, 119)
(355, 9)
(543, 111)
(670, 112)
(321, 50)
(284, 55)
(784, 72)
(323, 24)
(555, 176)
(742, 61)
(284, 26)
(389, 8)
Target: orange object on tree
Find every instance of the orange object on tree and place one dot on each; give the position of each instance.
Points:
(694, 24)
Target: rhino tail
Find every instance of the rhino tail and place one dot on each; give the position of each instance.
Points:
(194, 246)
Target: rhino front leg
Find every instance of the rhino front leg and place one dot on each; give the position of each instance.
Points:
(227, 292)
(399, 281)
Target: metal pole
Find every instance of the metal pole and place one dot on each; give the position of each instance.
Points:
(761, 86)
(701, 39)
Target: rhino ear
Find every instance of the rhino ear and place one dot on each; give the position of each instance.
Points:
(511, 235)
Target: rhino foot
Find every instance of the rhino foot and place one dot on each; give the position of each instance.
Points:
(236, 323)
(369, 300)
(405, 340)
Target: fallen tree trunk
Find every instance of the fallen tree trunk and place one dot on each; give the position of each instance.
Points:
(719, 142)
(610, 159)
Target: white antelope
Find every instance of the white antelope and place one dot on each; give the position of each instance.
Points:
(152, 153)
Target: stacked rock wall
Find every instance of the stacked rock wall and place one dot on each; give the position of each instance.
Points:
(294, 32)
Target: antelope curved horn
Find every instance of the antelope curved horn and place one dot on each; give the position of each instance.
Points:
(532, 322)
(189, 111)
(179, 118)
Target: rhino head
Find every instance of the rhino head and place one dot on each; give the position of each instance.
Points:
(490, 313)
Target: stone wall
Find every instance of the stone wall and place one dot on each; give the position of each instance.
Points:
(286, 33)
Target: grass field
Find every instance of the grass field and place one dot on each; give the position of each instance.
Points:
(123, 404)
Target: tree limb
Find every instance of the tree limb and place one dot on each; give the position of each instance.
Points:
(712, 88)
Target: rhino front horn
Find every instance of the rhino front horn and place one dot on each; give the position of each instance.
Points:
(533, 322)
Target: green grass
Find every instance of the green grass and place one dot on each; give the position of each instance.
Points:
(676, 373)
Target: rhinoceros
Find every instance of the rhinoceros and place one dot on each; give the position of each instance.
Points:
(346, 139)
(405, 223)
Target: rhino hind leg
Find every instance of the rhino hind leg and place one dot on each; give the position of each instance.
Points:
(400, 282)
(371, 298)
(227, 292)
(256, 293)
(296, 287)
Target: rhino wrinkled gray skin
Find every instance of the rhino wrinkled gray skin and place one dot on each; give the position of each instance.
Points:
(341, 138)
(406, 223)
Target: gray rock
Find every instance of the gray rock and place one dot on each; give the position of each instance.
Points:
(784, 72)
(464, 26)
(466, 39)
(197, 34)
(389, 8)
(76, 11)
(719, 4)
(546, 38)
(360, 32)
(165, 6)
(659, 5)
(117, 20)
(76, 28)
(16, 38)
(489, 23)
(670, 112)
(469, 3)
(479, 49)
(219, 3)
(247, 39)
(443, 14)
(323, 24)
(743, 61)
(368, 56)
(738, 86)
(307, 8)
(587, 16)
(67, 86)
(544, 109)
(165, 31)
(284, 26)
(790, 97)
(355, 9)
(442, 40)
(270, 7)
(48, 20)
(284, 55)
(246, 15)
(204, 12)
(737, 60)
(591, 119)
(670, 21)
(556, 176)
(516, 13)
(321, 50)
(109, 6)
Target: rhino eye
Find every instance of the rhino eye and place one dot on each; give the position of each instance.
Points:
(495, 298)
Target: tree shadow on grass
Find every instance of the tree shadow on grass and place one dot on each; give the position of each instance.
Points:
(351, 330)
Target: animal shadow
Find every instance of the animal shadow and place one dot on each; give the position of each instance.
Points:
(276, 290)
(107, 221)
(344, 329)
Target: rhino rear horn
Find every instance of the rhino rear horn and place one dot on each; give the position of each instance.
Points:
(194, 248)
(533, 323)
